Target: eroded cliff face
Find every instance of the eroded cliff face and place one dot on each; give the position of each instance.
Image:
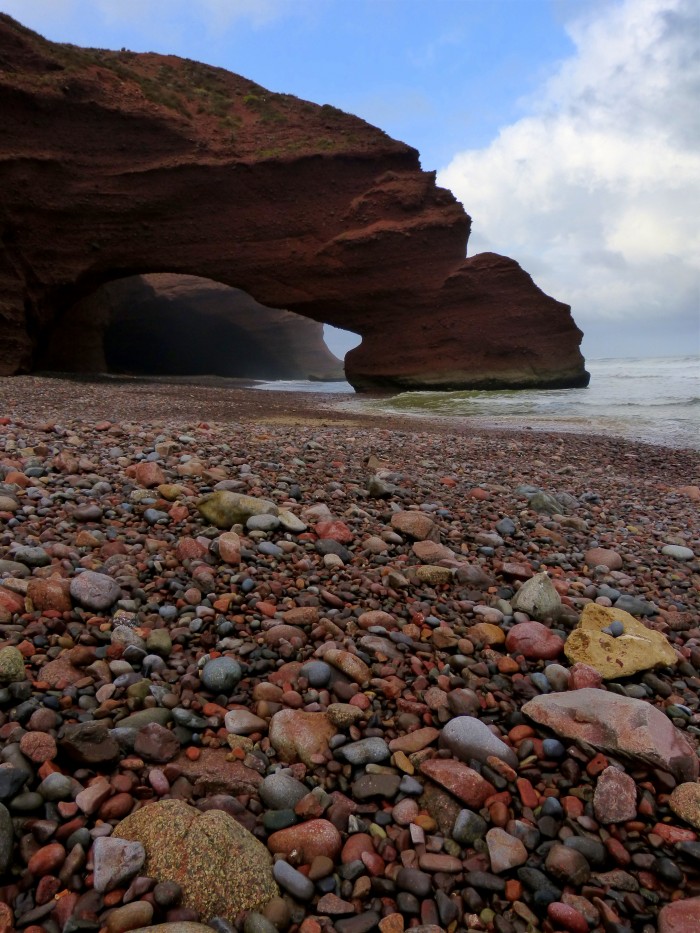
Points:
(117, 164)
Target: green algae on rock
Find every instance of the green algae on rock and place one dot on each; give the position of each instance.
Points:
(221, 867)
(224, 508)
(11, 665)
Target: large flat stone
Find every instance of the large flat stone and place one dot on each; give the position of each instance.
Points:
(617, 724)
(637, 649)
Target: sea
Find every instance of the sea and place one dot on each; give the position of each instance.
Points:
(655, 400)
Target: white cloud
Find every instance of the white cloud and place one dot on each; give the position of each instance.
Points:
(597, 191)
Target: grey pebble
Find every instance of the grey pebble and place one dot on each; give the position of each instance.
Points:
(366, 751)
(293, 881)
(7, 837)
(281, 790)
(318, 673)
(262, 523)
(12, 780)
(56, 786)
(468, 737)
(31, 556)
(188, 719)
(221, 675)
(256, 923)
(468, 827)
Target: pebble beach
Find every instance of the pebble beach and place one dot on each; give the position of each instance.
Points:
(267, 665)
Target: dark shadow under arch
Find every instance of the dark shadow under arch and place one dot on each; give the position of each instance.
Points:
(167, 324)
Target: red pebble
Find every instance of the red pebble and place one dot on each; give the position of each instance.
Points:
(674, 834)
(597, 764)
(65, 908)
(117, 807)
(573, 807)
(617, 851)
(355, 846)
(567, 917)
(47, 889)
(47, 860)
(528, 794)
(583, 675)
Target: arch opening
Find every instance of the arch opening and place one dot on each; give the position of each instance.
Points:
(164, 324)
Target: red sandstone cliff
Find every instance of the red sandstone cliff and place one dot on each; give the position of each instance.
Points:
(115, 164)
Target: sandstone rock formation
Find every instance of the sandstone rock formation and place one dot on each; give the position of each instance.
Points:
(115, 164)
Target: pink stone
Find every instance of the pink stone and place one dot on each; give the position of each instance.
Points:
(405, 811)
(298, 736)
(597, 556)
(336, 530)
(613, 723)
(430, 552)
(229, 547)
(615, 797)
(149, 474)
(680, 916)
(583, 675)
(38, 746)
(505, 851)
(534, 641)
(190, 549)
(416, 525)
(355, 846)
(91, 799)
(158, 781)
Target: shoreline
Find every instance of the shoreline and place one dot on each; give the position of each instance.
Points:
(378, 606)
(104, 396)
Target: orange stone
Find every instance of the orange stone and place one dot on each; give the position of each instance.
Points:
(528, 794)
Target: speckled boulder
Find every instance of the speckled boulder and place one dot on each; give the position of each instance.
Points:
(94, 591)
(11, 665)
(685, 802)
(220, 866)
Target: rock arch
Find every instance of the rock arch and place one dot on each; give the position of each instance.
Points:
(163, 324)
(115, 164)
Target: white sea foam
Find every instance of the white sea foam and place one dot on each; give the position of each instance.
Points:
(656, 400)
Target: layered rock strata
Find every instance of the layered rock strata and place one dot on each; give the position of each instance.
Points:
(115, 164)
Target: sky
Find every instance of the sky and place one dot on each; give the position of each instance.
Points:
(569, 129)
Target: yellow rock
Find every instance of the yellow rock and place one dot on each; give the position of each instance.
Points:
(171, 491)
(486, 633)
(637, 649)
(434, 575)
(403, 763)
